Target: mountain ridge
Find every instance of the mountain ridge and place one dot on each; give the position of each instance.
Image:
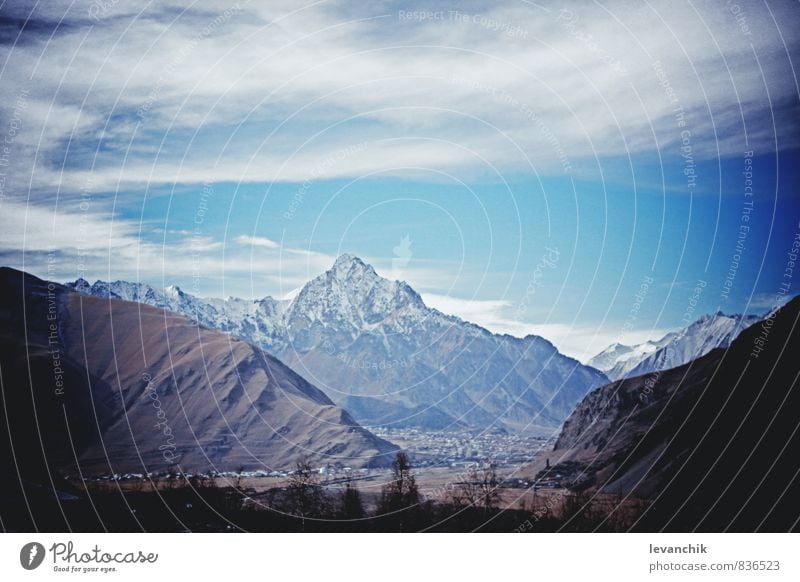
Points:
(712, 445)
(355, 334)
(675, 348)
(163, 391)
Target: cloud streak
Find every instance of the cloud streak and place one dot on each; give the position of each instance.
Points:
(245, 93)
(580, 341)
(65, 244)
(111, 99)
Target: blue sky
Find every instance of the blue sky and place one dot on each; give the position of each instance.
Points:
(522, 166)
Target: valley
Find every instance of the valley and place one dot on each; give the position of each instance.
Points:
(252, 410)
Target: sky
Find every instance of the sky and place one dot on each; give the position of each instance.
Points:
(590, 173)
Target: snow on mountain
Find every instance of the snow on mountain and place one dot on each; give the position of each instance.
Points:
(674, 349)
(254, 321)
(702, 432)
(353, 298)
(375, 348)
(145, 389)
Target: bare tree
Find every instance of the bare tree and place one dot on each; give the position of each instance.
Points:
(304, 492)
(479, 487)
(489, 485)
(401, 492)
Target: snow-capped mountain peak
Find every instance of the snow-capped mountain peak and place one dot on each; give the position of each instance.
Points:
(82, 285)
(676, 348)
(375, 347)
(173, 291)
(349, 266)
(351, 293)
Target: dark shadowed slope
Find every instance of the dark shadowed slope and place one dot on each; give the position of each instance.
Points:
(123, 387)
(713, 444)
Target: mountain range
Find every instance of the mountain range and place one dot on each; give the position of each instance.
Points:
(674, 349)
(93, 386)
(713, 444)
(376, 349)
(124, 378)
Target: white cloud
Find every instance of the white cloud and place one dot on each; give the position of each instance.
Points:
(256, 241)
(486, 313)
(62, 245)
(280, 93)
(584, 341)
(763, 302)
(578, 341)
(65, 244)
(265, 93)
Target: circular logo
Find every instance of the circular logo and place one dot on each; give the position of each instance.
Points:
(31, 555)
